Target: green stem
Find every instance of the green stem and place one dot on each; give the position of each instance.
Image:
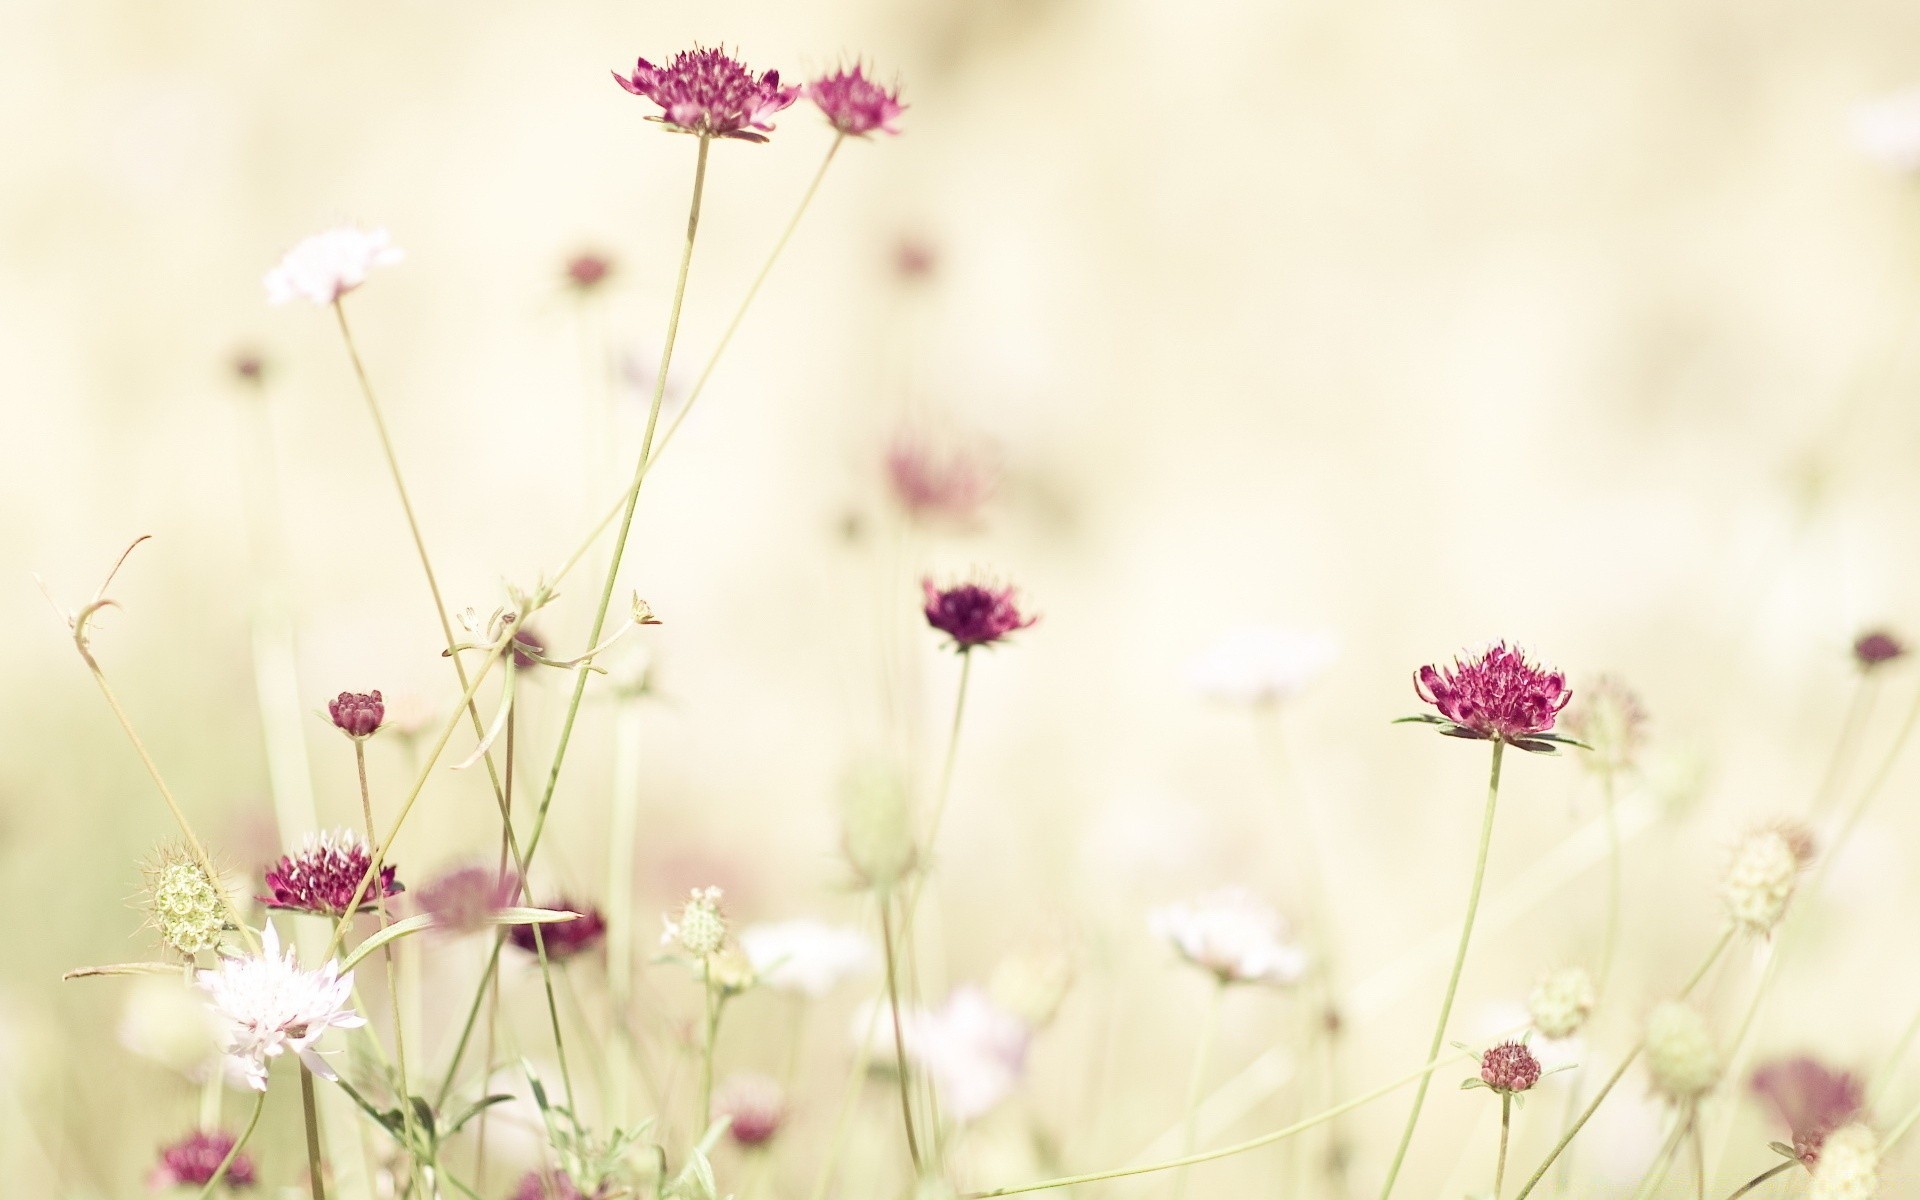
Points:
(1196, 1078)
(1586, 1114)
(386, 956)
(1762, 1177)
(843, 1121)
(1267, 1139)
(899, 1038)
(710, 1036)
(1610, 940)
(316, 1172)
(1500, 1162)
(621, 845)
(1459, 963)
(1662, 1163)
(953, 751)
(220, 1172)
(1851, 725)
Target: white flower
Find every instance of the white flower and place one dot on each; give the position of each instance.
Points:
(1849, 1166)
(1681, 1055)
(1261, 665)
(327, 266)
(271, 1006)
(1887, 130)
(974, 1051)
(1232, 934)
(806, 955)
(166, 1022)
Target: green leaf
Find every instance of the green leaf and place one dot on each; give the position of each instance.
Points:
(423, 1116)
(1421, 719)
(479, 1106)
(1532, 745)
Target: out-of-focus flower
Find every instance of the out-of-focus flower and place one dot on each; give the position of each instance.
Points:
(1509, 1067)
(755, 1105)
(1260, 665)
(528, 648)
(1877, 648)
(806, 955)
(271, 1006)
(250, 366)
(1233, 935)
(974, 614)
(974, 1051)
(854, 104)
(1811, 1098)
(1561, 1002)
(1849, 1166)
(1887, 130)
(877, 825)
(932, 481)
(168, 1023)
(357, 714)
(1612, 722)
(1761, 876)
(409, 714)
(699, 927)
(1680, 1052)
(588, 270)
(328, 265)
(323, 876)
(191, 1162)
(547, 1185)
(708, 92)
(1032, 984)
(183, 904)
(562, 939)
(466, 900)
(914, 259)
(1495, 694)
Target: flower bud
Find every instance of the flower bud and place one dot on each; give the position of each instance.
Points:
(1761, 877)
(1681, 1055)
(700, 928)
(1561, 1002)
(1509, 1067)
(755, 1105)
(357, 714)
(877, 826)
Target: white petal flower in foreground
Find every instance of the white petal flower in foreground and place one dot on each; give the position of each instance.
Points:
(1261, 665)
(1232, 934)
(974, 1050)
(271, 1006)
(806, 955)
(1887, 130)
(327, 266)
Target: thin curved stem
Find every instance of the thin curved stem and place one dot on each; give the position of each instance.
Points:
(239, 1143)
(953, 752)
(1459, 964)
(316, 1170)
(1610, 939)
(1506, 1128)
(899, 1037)
(1662, 1163)
(1593, 1106)
(386, 956)
(1266, 1139)
(1754, 1183)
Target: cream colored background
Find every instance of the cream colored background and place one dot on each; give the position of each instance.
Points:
(1580, 324)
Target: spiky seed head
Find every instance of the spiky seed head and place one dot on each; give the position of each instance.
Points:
(1760, 878)
(877, 826)
(1681, 1055)
(183, 904)
(699, 928)
(1562, 1001)
(1849, 1166)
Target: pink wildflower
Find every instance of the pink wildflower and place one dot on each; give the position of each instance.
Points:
(708, 92)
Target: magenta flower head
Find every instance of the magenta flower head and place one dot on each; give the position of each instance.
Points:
(1877, 648)
(709, 92)
(191, 1162)
(321, 878)
(938, 482)
(855, 105)
(1509, 1068)
(587, 270)
(563, 939)
(974, 614)
(1496, 695)
(357, 714)
(547, 1185)
(1812, 1099)
(466, 899)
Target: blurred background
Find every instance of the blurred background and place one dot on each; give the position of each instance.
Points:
(1589, 326)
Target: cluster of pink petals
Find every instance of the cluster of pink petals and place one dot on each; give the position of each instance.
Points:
(974, 614)
(324, 875)
(547, 1185)
(1877, 647)
(1509, 1067)
(933, 482)
(856, 105)
(358, 714)
(707, 91)
(562, 939)
(466, 899)
(755, 1106)
(192, 1161)
(1811, 1098)
(271, 1006)
(1496, 694)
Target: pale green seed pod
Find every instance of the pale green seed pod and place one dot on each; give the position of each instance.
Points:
(183, 904)
(877, 826)
(1562, 1001)
(1681, 1055)
(1760, 880)
(1849, 1166)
